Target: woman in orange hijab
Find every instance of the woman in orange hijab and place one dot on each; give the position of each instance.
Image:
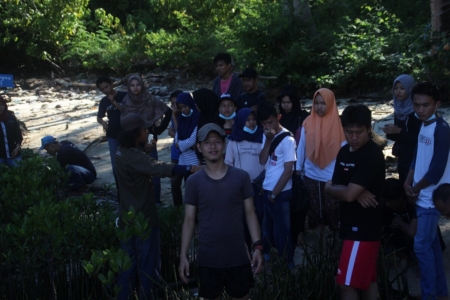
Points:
(321, 138)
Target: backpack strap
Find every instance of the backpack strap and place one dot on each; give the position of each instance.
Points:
(278, 140)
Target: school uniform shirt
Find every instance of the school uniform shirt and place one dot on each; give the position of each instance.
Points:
(432, 159)
(364, 167)
(284, 152)
(106, 107)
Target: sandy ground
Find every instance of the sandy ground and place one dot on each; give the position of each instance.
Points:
(71, 115)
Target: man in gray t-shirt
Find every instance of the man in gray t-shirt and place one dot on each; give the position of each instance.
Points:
(221, 194)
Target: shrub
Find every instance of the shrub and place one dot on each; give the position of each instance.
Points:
(45, 238)
(428, 58)
(365, 54)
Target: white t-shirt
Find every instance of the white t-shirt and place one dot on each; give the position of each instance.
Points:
(284, 152)
(244, 155)
(432, 160)
(311, 170)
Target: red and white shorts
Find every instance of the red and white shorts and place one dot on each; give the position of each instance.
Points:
(358, 264)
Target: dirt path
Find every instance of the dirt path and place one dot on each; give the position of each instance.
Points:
(71, 115)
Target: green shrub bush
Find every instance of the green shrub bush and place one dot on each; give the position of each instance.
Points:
(428, 58)
(45, 236)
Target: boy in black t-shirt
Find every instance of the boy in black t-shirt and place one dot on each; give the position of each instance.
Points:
(111, 106)
(252, 97)
(357, 182)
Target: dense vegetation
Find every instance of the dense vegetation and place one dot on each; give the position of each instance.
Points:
(344, 44)
(59, 247)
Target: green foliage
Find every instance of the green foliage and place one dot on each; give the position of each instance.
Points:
(44, 238)
(39, 28)
(428, 57)
(276, 43)
(365, 50)
(103, 46)
(351, 46)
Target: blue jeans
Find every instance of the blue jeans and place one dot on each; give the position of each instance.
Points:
(156, 180)
(79, 176)
(277, 226)
(11, 162)
(113, 144)
(145, 258)
(429, 254)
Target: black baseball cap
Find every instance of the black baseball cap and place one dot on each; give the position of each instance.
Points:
(249, 73)
(206, 129)
(227, 97)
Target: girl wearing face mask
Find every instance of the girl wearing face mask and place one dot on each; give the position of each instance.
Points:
(10, 136)
(243, 150)
(138, 100)
(405, 129)
(321, 139)
(227, 113)
(186, 135)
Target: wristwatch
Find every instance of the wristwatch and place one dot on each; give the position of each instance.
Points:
(188, 168)
(272, 196)
(258, 245)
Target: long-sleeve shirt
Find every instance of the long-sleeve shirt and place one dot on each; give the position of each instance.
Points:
(134, 168)
(311, 170)
(10, 136)
(432, 159)
(187, 156)
(406, 141)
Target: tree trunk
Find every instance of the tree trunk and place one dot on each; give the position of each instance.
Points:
(440, 15)
(302, 10)
(445, 16)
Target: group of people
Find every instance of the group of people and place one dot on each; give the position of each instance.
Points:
(232, 136)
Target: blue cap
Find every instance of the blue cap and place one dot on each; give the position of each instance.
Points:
(47, 140)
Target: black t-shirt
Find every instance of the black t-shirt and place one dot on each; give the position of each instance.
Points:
(69, 154)
(364, 167)
(106, 107)
(247, 100)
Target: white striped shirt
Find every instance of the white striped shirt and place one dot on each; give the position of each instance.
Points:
(187, 156)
